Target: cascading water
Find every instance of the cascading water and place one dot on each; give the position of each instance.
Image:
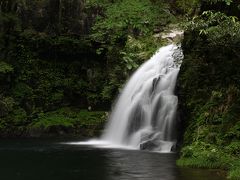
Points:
(144, 116)
(145, 113)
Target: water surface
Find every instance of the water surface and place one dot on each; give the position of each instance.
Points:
(51, 160)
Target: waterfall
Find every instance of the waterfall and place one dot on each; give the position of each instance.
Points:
(144, 116)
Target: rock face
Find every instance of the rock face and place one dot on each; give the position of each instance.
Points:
(173, 36)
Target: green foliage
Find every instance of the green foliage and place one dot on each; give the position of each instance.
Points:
(64, 54)
(9, 22)
(2, 124)
(6, 106)
(209, 90)
(235, 173)
(44, 121)
(5, 68)
(123, 31)
(90, 117)
(126, 17)
(19, 116)
(9, 103)
(98, 3)
(228, 2)
(17, 120)
(202, 155)
(219, 29)
(22, 90)
(53, 47)
(214, 104)
(234, 148)
(136, 51)
(68, 119)
(188, 7)
(234, 132)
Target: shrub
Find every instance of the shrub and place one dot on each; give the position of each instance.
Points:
(234, 148)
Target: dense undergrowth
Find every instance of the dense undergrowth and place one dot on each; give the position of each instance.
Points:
(70, 53)
(67, 121)
(209, 91)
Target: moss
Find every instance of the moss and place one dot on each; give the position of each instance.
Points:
(68, 121)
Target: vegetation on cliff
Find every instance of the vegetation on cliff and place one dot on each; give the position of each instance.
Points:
(70, 53)
(209, 90)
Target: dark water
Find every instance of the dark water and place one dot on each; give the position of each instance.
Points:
(50, 160)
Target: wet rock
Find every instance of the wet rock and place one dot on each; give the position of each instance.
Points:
(148, 145)
(173, 36)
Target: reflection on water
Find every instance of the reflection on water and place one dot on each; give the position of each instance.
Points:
(50, 160)
(141, 165)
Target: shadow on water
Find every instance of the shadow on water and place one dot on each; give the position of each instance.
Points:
(50, 160)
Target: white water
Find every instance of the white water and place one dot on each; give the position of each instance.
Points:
(144, 116)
